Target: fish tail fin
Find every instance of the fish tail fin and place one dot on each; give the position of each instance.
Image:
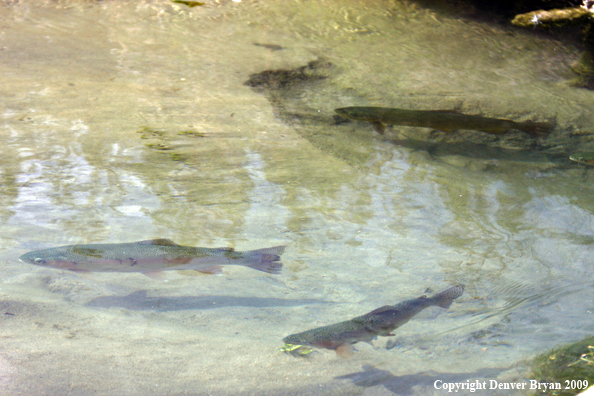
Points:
(445, 298)
(536, 128)
(267, 260)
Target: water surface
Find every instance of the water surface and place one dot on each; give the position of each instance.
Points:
(126, 121)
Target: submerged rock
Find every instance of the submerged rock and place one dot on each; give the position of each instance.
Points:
(576, 16)
(557, 17)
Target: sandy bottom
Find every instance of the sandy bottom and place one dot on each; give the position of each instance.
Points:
(126, 121)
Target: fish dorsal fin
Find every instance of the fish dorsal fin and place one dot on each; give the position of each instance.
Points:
(160, 241)
(382, 309)
(226, 249)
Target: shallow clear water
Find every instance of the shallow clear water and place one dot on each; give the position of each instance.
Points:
(97, 102)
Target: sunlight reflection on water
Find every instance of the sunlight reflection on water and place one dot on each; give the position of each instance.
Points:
(125, 121)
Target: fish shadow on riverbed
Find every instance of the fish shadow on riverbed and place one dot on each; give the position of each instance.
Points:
(140, 301)
(478, 151)
(404, 384)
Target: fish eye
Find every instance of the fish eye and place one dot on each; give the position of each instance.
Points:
(39, 261)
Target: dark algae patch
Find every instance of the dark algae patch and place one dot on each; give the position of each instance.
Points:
(148, 133)
(188, 3)
(178, 157)
(158, 146)
(299, 97)
(271, 47)
(285, 79)
(159, 141)
(191, 133)
(569, 366)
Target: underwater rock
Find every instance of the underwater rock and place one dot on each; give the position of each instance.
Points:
(556, 17)
(576, 16)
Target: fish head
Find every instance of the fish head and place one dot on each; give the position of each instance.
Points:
(356, 113)
(583, 158)
(294, 339)
(50, 258)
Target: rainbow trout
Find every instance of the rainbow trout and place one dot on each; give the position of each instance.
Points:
(442, 120)
(151, 257)
(380, 322)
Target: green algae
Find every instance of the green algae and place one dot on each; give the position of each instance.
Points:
(573, 362)
(191, 133)
(178, 157)
(188, 3)
(148, 133)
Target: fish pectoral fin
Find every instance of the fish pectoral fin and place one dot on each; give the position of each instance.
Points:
(158, 275)
(216, 270)
(378, 127)
(344, 350)
(160, 241)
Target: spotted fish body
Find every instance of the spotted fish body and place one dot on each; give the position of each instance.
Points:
(152, 256)
(585, 157)
(442, 120)
(379, 322)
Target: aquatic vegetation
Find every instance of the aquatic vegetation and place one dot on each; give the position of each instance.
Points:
(158, 140)
(296, 350)
(148, 133)
(191, 133)
(158, 146)
(177, 157)
(271, 47)
(277, 79)
(573, 362)
(188, 3)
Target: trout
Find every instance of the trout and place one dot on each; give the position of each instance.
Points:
(379, 322)
(584, 157)
(152, 257)
(442, 120)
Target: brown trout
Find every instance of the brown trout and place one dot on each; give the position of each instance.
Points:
(380, 322)
(151, 257)
(442, 120)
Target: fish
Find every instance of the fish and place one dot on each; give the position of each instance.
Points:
(584, 157)
(152, 257)
(442, 120)
(379, 322)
